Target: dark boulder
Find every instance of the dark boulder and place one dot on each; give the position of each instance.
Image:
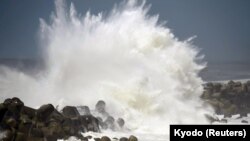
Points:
(132, 138)
(11, 122)
(105, 138)
(243, 114)
(230, 83)
(89, 123)
(223, 120)
(210, 118)
(7, 101)
(100, 106)
(51, 138)
(120, 122)
(10, 113)
(123, 139)
(84, 139)
(70, 112)
(36, 132)
(22, 123)
(110, 122)
(217, 87)
(45, 111)
(84, 110)
(14, 107)
(97, 139)
(244, 121)
(53, 128)
(29, 112)
(69, 128)
(25, 127)
(3, 110)
(20, 136)
(56, 116)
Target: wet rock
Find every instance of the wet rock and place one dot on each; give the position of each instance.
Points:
(90, 123)
(223, 120)
(211, 119)
(209, 85)
(237, 84)
(56, 116)
(51, 138)
(7, 101)
(97, 139)
(54, 128)
(244, 121)
(120, 122)
(229, 110)
(84, 139)
(206, 94)
(70, 112)
(21, 137)
(70, 126)
(110, 122)
(105, 138)
(100, 106)
(216, 104)
(102, 124)
(99, 119)
(243, 114)
(237, 88)
(25, 127)
(76, 124)
(80, 136)
(44, 111)
(228, 99)
(132, 138)
(14, 107)
(230, 83)
(217, 87)
(248, 86)
(3, 110)
(39, 124)
(84, 110)
(123, 139)
(216, 95)
(244, 88)
(11, 122)
(36, 132)
(89, 137)
(17, 101)
(29, 112)
(23, 123)
(35, 139)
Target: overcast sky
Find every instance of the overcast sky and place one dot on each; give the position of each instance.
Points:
(222, 27)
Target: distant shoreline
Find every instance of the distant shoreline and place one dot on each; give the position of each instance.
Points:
(226, 81)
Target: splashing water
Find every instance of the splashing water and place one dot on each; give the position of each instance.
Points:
(144, 73)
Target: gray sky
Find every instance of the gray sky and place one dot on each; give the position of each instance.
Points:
(222, 26)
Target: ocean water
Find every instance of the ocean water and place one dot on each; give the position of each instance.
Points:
(127, 58)
(224, 71)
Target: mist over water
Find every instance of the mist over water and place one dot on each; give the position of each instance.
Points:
(126, 58)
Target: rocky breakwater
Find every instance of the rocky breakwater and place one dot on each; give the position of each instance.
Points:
(22, 123)
(228, 98)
